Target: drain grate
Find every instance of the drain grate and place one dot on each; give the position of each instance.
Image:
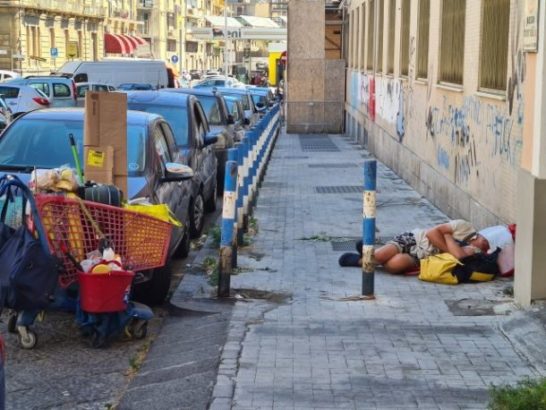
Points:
(312, 143)
(348, 245)
(338, 189)
(332, 165)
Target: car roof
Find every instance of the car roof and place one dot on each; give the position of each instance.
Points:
(194, 91)
(158, 97)
(77, 114)
(232, 90)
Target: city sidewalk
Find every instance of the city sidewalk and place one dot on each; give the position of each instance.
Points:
(305, 346)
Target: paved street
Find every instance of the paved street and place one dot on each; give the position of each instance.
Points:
(406, 349)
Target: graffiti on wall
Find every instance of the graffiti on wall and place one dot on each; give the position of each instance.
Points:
(453, 128)
(515, 82)
(388, 98)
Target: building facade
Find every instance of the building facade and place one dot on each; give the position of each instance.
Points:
(451, 95)
(39, 36)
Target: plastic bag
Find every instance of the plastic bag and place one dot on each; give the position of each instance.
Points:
(56, 179)
(161, 212)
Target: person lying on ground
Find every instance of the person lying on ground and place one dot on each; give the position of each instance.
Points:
(404, 251)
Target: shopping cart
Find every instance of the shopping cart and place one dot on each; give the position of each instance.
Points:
(73, 229)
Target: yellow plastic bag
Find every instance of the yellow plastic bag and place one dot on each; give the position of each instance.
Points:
(161, 212)
(439, 269)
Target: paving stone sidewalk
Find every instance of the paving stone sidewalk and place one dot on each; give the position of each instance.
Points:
(406, 349)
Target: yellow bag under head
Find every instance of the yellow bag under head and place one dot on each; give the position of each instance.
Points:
(438, 269)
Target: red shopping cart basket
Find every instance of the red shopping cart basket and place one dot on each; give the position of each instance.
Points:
(105, 292)
(75, 228)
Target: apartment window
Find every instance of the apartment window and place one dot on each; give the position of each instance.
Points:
(95, 46)
(494, 46)
(171, 45)
(362, 35)
(381, 10)
(30, 51)
(422, 39)
(404, 40)
(392, 26)
(371, 28)
(80, 44)
(352, 52)
(452, 42)
(52, 37)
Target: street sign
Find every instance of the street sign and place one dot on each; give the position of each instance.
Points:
(72, 49)
(54, 52)
(174, 59)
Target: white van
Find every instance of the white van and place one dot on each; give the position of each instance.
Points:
(116, 72)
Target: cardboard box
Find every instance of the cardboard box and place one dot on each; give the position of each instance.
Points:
(105, 125)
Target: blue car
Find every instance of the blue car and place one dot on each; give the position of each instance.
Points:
(194, 141)
(243, 94)
(263, 98)
(41, 139)
(221, 122)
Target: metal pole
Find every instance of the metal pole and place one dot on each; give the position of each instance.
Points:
(368, 228)
(228, 218)
(233, 155)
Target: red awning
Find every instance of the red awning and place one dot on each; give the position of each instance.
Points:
(114, 44)
(128, 44)
(140, 40)
(132, 41)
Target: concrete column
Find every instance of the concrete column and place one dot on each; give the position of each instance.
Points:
(530, 277)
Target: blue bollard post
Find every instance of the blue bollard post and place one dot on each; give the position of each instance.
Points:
(241, 190)
(225, 267)
(368, 228)
(233, 155)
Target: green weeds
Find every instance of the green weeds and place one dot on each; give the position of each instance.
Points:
(526, 395)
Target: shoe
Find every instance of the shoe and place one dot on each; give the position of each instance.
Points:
(349, 259)
(359, 247)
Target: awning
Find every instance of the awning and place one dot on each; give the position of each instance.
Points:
(219, 22)
(114, 44)
(128, 45)
(253, 21)
(133, 43)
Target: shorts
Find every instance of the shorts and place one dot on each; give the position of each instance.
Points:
(404, 242)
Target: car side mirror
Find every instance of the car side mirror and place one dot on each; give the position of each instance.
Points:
(230, 119)
(175, 172)
(211, 138)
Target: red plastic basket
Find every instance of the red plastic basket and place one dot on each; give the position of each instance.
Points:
(142, 241)
(105, 292)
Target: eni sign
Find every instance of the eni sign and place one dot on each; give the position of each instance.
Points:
(244, 33)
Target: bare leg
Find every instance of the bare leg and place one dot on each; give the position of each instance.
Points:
(400, 263)
(383, 254)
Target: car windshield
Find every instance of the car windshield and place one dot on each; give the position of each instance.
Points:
(44, 143)
(231, 103)
(177, 117)
(241, 97)
(211, 108)
(259, 99)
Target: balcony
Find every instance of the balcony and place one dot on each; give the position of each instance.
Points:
(74, 7)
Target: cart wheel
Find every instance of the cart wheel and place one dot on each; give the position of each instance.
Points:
(12, 323)
(139, 330)
(28, 341)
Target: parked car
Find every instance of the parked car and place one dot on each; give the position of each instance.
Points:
(22, 98)
(60, 91)
(8, 75)
(82, 88)
(251, 112)
(212, 73)
(220, 122)
(195, 74)
(5, 114)
(240, 123)
(135, 87)
(262, 96)
(41, 139)
(194, 141)
(218, 81)
(116, 71)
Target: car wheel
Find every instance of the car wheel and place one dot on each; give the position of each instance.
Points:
(155, 291)
(197, 215)
(183, 248)
(210, 205)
